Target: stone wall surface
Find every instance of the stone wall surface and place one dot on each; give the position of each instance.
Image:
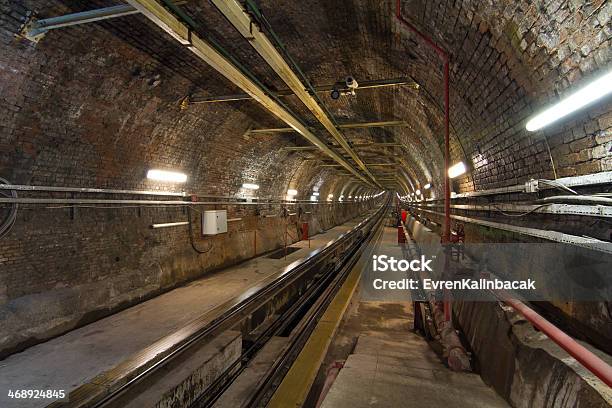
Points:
(528, 370)
(97, 105)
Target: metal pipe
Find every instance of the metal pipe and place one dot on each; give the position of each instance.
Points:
(21, 187)
(388, 123)
(37, 28)
(555, 236)
(590, 361)
(447, 220)
(548, 208)
(604, 177)
(98, 202)
(445, 58)
(576, 198)
(380, 83)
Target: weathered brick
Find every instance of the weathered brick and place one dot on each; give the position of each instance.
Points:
(584, 143)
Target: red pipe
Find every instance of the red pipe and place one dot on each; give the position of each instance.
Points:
(585, 357)
(445, 58)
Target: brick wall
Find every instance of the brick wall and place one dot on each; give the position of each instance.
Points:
(97, 105)
(86, 108)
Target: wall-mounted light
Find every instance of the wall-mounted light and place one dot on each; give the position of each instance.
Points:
(585, 96)
(250, 186)
(427, 186)
(456, 170)
(292, 192)
(313, 198)
(165, 175)
(315, 193)
(418, 192)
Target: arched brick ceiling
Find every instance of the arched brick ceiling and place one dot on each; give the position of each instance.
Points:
(508, 58)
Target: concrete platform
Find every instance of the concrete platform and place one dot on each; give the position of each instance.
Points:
(387, 365)
(75, 358)
(398, 369)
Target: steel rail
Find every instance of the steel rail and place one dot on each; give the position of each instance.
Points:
(279, 325)
(270, 381)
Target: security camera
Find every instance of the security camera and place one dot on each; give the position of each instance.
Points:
(351, 84)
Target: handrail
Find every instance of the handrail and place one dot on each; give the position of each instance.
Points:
(587, 358)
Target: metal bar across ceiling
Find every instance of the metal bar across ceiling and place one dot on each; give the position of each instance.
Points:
(212, 56)
(249, 29)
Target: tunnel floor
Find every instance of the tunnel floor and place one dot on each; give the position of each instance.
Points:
(75, 358)
(390, 365)
(385, 363)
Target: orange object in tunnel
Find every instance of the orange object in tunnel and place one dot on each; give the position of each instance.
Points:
(401, 237)
(304, 230)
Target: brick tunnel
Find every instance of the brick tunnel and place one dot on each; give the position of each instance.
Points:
(241, 203)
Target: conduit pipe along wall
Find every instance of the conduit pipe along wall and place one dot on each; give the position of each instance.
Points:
(215, 58)
(249, 29)
(445, 59)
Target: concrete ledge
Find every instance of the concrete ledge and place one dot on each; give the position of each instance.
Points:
(522, 364)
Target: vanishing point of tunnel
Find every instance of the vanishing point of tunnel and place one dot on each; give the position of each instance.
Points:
(319, 203)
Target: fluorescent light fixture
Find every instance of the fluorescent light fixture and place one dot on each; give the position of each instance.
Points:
(589, 94)
(315, 193)
(250, 186)
(418, 192)
(456, 170)
(291, 192)
(165, 175)
(427, 186)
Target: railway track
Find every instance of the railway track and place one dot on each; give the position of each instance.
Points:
(288, 305)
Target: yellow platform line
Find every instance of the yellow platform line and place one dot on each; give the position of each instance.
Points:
(294, 388)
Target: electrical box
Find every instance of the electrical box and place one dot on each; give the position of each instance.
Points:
(214, 222)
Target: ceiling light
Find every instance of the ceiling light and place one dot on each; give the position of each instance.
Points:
(291, 192)
(427, 186)
(165, 175)
(250, 186)
(456, 170)
(418, 192)
(590, 93)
